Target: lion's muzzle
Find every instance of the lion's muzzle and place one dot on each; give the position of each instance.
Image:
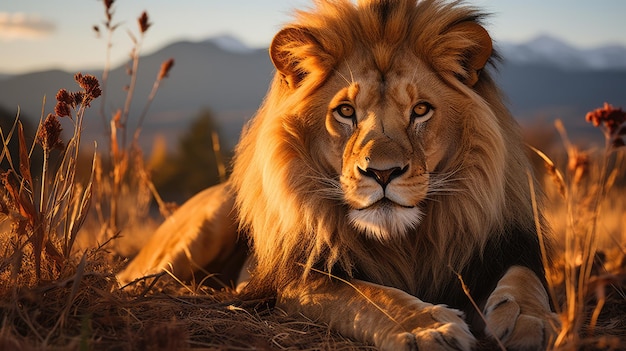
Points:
(383, 181)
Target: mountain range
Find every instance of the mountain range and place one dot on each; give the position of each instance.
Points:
(544, 79)
(548, 50)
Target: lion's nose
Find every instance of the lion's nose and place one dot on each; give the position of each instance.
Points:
(384, 176)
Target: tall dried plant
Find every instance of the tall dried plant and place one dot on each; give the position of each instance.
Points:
(125, 186)
(110, 27)
(46, 212)
(583, 187)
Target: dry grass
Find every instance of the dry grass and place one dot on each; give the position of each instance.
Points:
(86, 311)
(58, 289)
(586, 212)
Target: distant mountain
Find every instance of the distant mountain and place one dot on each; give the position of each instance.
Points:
(544, 78)
(547, 50)
(231, 83)
(229, 42)
(547, 78)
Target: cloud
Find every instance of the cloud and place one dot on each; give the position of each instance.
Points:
(18, 26)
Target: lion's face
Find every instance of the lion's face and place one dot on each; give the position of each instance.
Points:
(385, 112)
(389, 133)
(379, 124)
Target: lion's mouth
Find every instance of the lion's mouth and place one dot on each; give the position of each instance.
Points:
(384, 204)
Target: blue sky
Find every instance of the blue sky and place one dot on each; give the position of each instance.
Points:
(36, 34)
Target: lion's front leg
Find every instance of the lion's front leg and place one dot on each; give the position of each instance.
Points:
(518, 311)
(387, 317)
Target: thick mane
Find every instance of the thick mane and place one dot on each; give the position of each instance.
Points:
(286, 192)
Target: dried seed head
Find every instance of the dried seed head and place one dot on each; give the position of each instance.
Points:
(78, 98)
(62, 109)
(144, 24)
(65, 103)
(612, 121)
(610, 117)
(49, 135)
(90, 84)
(108, 3)
(108, 10)
(64, 96)
(78, 77)
(166, 66)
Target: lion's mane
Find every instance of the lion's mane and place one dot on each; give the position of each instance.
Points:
(284, 187)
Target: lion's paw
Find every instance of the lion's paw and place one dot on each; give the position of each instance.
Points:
(517, 329)
(439, 328)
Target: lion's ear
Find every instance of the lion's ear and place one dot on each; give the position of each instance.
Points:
(479, 53)
(296, 54)
(470, 46)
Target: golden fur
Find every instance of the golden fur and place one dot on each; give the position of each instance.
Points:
(382, 165)
(199, 238)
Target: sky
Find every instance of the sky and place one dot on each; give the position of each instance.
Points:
(37, 34)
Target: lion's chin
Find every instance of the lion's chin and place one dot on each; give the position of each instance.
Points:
(385, 220)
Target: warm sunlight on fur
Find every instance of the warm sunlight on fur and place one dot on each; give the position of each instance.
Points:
(384, 156)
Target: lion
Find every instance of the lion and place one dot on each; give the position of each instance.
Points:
(383, 187)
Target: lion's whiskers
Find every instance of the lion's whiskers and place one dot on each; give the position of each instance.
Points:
(328, 188)
(343, 77)
(444, 184)
(351, 74)
(351, 81)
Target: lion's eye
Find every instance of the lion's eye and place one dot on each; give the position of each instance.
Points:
(345, 113)
(422, 112)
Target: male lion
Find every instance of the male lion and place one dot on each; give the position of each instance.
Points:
(382, 170)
